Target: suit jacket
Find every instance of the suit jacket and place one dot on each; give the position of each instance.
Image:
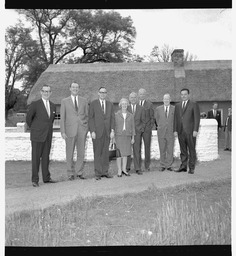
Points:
(229, 124)
(129, 123)
(187, 119)
(165, 125)
(218, 116)
(139, 118)
(38, 121)
(149, 115)
(98, 121)
(71, 120)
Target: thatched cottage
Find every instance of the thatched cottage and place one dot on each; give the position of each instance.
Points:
(208, 81)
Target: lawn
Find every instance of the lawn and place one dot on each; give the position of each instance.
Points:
(198, 214)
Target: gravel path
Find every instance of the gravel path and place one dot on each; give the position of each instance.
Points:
(18, 199)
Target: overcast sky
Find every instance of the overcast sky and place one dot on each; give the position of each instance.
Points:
(206, 33)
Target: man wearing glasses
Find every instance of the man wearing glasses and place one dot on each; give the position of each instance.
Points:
(101, 127)
(40, 119)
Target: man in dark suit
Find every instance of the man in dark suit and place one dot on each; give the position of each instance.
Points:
(101, 127)
(74, 129)
(149, 122)
(40, 119)
(139, 122)
(215, 113)
(164, 115)
(186, 125)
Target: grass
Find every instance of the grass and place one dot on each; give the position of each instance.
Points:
(197, 214)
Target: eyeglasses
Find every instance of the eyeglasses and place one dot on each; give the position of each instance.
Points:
(102, 92)
(45, 91)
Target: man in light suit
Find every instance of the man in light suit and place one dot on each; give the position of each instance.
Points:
(40, 119)
(164, 116)
(74, 129)
(149, 122)
(228, 130)
(215, 113)
(101, 127)
(139, 123)
(186, 125)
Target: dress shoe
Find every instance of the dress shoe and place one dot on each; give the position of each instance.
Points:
(191, 171)
(170, 169)
(35, 184)
(81, 177)
(50, 181)
(226, 149)
(161, 169)
(181, 170)
(128, 169)
(107, 176)
(119, 175)
(139, 172)
(98, 178)
(125, 173)
(71, 178)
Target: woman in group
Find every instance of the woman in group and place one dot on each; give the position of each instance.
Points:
(124, 136)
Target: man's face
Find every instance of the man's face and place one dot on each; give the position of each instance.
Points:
(166, 100)
(74, 88)
(215, 106)
(133, 99)
(142, 94)
(102, 93)
(184, 95)
(46, 92)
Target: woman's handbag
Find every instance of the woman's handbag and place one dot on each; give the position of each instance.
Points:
(112, 150)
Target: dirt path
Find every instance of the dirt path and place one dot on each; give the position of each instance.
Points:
(24, 198)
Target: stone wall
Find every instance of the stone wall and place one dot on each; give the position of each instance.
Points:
(18, 145)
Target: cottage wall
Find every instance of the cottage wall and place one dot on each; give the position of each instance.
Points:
(18, 145)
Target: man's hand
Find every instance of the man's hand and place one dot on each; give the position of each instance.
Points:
(63, 135)
(132, 141)
(112, 134)
(93, 135)
(195, 134)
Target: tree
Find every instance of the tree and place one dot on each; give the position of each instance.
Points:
(19, 45)
(163, 54)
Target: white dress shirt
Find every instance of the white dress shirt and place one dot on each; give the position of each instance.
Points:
(124, 115)
(47, 106)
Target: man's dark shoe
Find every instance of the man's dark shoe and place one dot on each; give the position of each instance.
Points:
(191, 171)
(98, 178)
(50, 181)
(81, 177)
(71, 178)
(139, 172)
(107, 176)
(161, 169)
(128, 169)
(170, 169)
(35, 184)
(181, 170)
(226, 149)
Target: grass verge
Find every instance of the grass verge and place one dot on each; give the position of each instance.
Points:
(196, 214)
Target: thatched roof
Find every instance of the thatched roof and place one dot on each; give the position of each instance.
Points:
(207, 80)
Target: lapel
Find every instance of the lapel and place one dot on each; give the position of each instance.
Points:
(45, 110)
(72, 103)
(99, 106)
(183, 110)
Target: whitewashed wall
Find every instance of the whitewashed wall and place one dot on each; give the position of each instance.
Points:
(18, 145)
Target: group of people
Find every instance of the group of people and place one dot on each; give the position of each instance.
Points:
(127, 128)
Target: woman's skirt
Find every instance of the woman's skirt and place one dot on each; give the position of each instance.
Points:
(123, 144)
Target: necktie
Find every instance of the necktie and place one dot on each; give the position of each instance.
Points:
(214, 113)
(133, 108)
(166, 112)
(103, 108)
(76, 106)
(47, 108)
(184, 104)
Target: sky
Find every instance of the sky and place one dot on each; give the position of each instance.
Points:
(206, 33)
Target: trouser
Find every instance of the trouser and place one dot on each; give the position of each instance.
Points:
(227, 138)
(136, 153)
(147, 135)
(187, 145)
(41, 151)
(101, 155)
(77, 142)
(166, 146)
